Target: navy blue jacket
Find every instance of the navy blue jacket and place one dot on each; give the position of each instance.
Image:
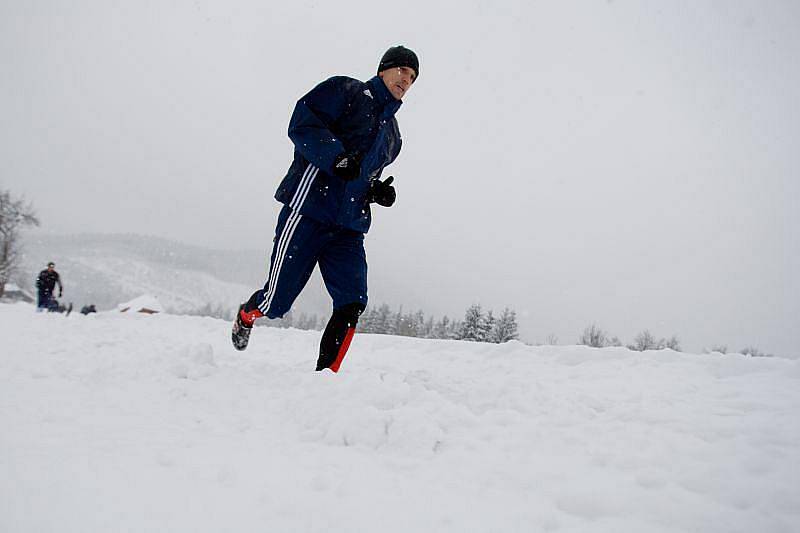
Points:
(46, 281)
(340, 115)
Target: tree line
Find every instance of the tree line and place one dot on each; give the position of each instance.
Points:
(476, 326)
(596, 337)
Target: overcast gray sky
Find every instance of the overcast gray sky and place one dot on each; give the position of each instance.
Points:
(629, 163)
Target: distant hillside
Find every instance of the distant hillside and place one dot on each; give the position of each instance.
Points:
(108, 269)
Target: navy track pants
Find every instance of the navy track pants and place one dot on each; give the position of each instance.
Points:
(300, 244)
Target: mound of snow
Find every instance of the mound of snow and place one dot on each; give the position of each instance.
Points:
(113, 424)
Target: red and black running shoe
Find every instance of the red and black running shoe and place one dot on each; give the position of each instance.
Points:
(240, 335)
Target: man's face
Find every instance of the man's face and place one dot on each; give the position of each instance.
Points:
(51, 267)
(398, 80)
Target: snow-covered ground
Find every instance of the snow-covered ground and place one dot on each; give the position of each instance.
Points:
(127, 422)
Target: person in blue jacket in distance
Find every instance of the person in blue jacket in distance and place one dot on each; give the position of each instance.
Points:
(344, 133)
(46, 283)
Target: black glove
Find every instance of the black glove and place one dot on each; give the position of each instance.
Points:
(347, 166)
(382, 192)
(60, 292)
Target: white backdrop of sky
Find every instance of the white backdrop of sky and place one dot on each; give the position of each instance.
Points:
(633, 164)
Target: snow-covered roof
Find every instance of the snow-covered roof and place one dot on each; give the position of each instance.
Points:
(145, 304)
(13, 292)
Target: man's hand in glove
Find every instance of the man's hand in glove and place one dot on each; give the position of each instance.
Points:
(347, 166)
(382, 192)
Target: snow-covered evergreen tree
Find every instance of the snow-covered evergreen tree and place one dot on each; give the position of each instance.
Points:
(380, 323)
(308, 322)
(365, 321)
(288, 320)
(474, 325)
(442, 328)
(505, 328)
(396, 323)
(454, 331)
(406, 324)
(427, 330)
(419, 324)
(487, 326)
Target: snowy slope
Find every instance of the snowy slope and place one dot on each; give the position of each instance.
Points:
(127, 422)
(106, 270)
(179, 289)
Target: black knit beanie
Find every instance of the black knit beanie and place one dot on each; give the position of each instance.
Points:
(399, 56)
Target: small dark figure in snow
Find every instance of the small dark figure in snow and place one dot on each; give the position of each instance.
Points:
(88, 309)
(46, 284)
(344, 133)
(54, 306)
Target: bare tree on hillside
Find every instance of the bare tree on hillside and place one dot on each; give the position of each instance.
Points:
(646, 341)
(674, 344)
(14, 215)
(752, 351)
(594, 336)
